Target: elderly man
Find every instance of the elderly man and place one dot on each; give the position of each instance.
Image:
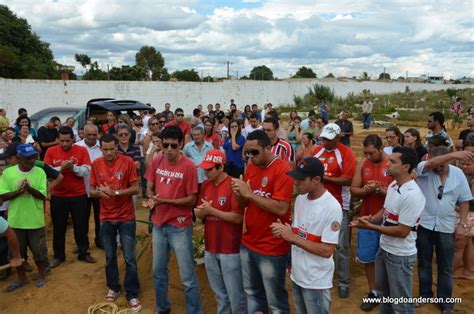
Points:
(196, 150)
(443, 186)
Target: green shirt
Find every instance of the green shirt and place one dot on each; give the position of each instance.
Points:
(24, 211)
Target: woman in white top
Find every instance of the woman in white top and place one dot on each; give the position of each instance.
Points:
(394, 138)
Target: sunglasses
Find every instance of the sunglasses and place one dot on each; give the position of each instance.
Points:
(161, 122)
(180, 114)
(154, 123)
(123, 134)
(440, 192)
(253, 152)
(173, 145)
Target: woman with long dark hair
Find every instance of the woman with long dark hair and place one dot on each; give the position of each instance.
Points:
(210, 134)
(233, 146)
(412, 139)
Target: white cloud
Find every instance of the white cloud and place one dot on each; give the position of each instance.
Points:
(343, 37)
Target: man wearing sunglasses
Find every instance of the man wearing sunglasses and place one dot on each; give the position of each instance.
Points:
(266, 191)
(339, 167)
(180, 122)
(444, 187)
(172, 189)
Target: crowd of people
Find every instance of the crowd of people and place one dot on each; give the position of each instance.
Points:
(237, 172)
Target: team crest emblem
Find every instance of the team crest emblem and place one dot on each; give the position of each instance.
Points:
(331, 160)
(366, 171)
(181, 219)
(335, 226)
(119, 175)
(264, 182)
(222, 200)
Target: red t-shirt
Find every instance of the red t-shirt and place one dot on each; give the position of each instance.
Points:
(270, 182)
(71, 185)
(119, 175)
(340, 162)
(221, 237)
(214, 139)
(184, 126)
(373, 202)
(172, 181)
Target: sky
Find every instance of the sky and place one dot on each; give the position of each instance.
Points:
(343, 37)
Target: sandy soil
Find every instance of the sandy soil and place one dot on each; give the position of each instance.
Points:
(74, 286)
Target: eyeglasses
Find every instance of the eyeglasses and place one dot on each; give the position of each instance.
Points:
(123, 134)
(253, 152)
(180, 114)
(161, 122)
(234, 126)
(173, 145)
(154, 123)
(440, 192)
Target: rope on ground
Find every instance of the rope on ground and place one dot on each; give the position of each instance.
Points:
(107, 308)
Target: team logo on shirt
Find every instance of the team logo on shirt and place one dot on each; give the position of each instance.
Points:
(335, 226)
(119, 175)
(222, 200)
(366, 171)
(264, 182)
(181, 219)
(331, 160)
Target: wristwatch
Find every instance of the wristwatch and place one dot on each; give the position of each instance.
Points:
(464, 226)
(117, 193)
(377, 190)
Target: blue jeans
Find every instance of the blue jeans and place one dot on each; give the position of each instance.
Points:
(165, 238)
(366, 120)
(393, 278)
(108, 238)
(225, 278)
(444, 244)
(264, 281)
(313, 301)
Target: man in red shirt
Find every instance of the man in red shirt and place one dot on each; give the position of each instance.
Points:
(218, 208)
(114, 180)
(266, 191)
(370, 183)
(339, 166)
(182, 124)
(70, 196)
(280, 148)
(172, 188)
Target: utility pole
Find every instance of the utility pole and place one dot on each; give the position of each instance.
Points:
(108, 73)
(228, 63)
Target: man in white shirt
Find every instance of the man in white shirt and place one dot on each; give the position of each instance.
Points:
(91, 143)
(444, 187)
(397, 254)
(314, 235)
(254, 125)
(367, 107)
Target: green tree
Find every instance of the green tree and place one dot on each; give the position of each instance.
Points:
(304, 72)
(94, 73)
(34, 59)
(164, 75)
(186, 75)
(126, 73)
(365, 76)
(208, 79)
(151, 61)
(384, 76)
(261, 73)
(330, 75)
(83, 59)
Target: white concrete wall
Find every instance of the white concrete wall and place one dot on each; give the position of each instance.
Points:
(38, 94)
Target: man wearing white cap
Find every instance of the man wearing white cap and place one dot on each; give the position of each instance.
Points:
(339, 167)
(222, 217)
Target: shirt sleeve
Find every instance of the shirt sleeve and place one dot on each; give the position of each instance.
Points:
(349, 164)
(283, 188)
(332, 226)
(420, 169)
(3, 225)
(50, 172)
(465, 193)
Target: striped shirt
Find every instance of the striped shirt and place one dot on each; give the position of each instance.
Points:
(283, 150)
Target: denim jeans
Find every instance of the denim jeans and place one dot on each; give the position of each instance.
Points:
(366, 120)
(343, 251)
(311, 301)
(263, 277)
(108, 238)
(225, 278)
(444, 244)
(165, 238)
(394, 278)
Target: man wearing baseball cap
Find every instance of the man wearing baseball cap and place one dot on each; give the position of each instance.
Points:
(314, 235)
(24, 185)
(339, 167)
(219, 210)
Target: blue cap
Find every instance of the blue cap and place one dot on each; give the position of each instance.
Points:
(26, 150)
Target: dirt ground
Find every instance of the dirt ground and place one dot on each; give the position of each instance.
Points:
(74, 286)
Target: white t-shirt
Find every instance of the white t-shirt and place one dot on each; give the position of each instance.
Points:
(403, 204)
(94, 153)
(316, 220)
(249, 129)
(388, 150)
